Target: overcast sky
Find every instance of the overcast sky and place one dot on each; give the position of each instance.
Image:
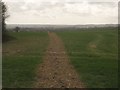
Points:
(62, 11)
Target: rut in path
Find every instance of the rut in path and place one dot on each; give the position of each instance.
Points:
(56, 70)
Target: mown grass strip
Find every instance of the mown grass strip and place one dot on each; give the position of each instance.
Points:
(97, 60)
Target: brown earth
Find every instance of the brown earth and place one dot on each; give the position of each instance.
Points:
(56, 70)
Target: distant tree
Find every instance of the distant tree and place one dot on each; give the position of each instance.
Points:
(17, 29)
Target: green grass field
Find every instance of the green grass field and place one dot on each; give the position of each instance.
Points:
(94, 54)
(21, 57)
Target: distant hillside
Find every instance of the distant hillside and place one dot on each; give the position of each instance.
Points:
(29, 27)
(59, 26)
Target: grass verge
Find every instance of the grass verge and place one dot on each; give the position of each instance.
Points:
(21, 57)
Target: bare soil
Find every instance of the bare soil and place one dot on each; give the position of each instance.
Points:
(56, 70)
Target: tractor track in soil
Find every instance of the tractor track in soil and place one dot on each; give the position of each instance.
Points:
(56, 70)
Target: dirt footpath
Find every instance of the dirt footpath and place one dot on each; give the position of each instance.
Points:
(56, 70)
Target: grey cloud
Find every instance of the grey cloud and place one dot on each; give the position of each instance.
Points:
(33, 6)
(48, 5)
(68, 8)
(74, 2)
(101, 6)
(15, 6)
(105, 4)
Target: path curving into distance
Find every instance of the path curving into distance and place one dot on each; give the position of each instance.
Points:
(56, 70)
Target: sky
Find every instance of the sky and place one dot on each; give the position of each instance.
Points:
(70, 12)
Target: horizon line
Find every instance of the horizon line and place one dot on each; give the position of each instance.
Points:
(60, 24)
